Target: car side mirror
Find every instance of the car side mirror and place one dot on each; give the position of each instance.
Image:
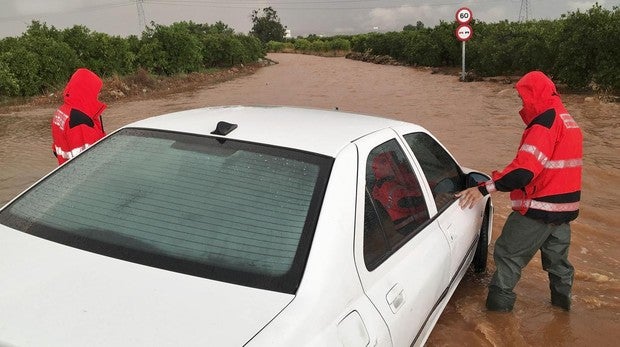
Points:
(473, 178)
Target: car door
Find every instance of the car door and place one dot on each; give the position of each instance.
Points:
(402, 255)
(445, 178)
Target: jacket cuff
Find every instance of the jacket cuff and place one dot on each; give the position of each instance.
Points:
(486, 187)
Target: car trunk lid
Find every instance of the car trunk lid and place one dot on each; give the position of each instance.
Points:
(55, 295)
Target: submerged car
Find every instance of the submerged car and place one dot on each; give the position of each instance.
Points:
(232, 226)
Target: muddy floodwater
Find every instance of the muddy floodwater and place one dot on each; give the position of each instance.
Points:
(479, 124)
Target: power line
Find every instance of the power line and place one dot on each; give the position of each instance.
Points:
(76, 10)
(282, 5)
(310, 5)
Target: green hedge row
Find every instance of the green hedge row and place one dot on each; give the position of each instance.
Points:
(308, 45)
(44, 58)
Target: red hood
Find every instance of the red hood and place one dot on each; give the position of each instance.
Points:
(538, 94)
(82, 93)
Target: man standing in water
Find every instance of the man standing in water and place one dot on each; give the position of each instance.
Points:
(544, 181)
(77, 124)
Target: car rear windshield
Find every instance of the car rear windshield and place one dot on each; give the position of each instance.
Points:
(226, 210)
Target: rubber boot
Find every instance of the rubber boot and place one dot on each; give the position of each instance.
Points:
(561, 301)
(500, 300)
(560, 295)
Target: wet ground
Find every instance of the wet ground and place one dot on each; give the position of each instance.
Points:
(479, 124)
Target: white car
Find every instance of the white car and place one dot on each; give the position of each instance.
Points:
(242, 226)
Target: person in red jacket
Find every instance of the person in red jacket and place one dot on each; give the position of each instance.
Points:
(544, 181)
(77, 124)
(398, 191)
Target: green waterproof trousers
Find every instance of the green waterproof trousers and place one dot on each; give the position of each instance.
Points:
(521, 238)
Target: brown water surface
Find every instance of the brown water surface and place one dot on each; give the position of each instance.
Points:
(479, 124)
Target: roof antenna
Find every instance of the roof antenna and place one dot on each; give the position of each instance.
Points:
(224, 128)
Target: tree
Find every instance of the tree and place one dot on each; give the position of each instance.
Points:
(266, 25)
(170, 49)
(597, 60)
(410, 27)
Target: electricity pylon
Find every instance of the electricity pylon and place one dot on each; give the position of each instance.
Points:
(141, 17)
(525, 13)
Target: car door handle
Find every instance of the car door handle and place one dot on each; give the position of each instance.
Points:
(395, 297)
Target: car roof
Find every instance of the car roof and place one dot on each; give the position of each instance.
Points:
(314, 130)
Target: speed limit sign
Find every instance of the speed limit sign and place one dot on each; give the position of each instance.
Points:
(463, 15)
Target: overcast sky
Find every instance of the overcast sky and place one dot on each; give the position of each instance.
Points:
(302, 17)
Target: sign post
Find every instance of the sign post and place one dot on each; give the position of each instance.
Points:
(463, 32)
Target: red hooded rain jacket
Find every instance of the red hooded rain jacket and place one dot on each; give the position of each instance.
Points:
(544, 179)
(76, 125)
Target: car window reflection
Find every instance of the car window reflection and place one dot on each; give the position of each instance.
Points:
(395, 207)
(441, 171)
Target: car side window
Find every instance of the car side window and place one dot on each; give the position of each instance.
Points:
(442, 173)
(395, 207)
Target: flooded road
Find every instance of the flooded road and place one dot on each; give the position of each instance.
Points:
(479, 124)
